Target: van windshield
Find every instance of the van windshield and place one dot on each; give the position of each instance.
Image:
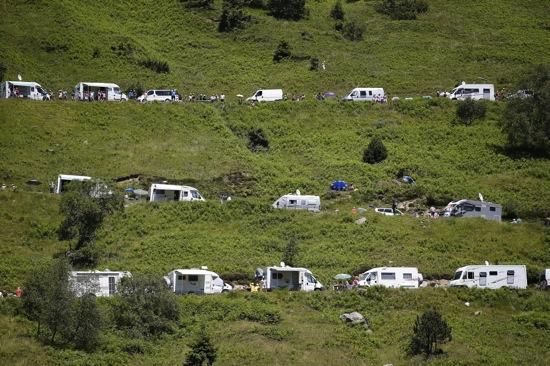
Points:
(457, 276)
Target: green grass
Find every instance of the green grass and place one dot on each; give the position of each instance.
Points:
(311, 144)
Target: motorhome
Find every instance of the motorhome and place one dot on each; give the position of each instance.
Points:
(472, 208)
(63, 180)
(298, 202)
(393, 277)
(23, 89)
(98, 91)
(544, 279)
(366, 95)
(170, 192)
(98, 283)
(285, 277)
(472, 91)
(490, 276)
(196, 281)
(164, 95)
(266, 95)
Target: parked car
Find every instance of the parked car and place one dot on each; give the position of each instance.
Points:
(388, 211)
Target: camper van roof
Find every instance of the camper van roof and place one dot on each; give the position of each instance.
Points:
(23, 83)
(106, 272)
(474, 202)
(474, 266)
(73, 177)
(289, 269)
(100, 85)
(170, 187)
(392, 269)
(194, 271)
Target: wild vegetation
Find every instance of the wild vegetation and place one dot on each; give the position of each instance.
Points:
(257, 153)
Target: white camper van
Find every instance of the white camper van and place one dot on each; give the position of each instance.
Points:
(156, 95)
(23, 89)
(393, 277)
(365, 95)
(196, 281)
(472, 91)
(266, 95)
(291, 278)
(490, 276)
(64, 179)
(95, 91)
(298, 202)
(98, 283)
(473, 208)
(170, 192)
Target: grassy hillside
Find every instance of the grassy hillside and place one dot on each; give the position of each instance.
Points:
(59, 43)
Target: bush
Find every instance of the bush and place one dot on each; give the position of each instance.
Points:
(198, 4)
(257, 140)
(160, 67)
(282, 52)
(314, 64)
(287, 9)
(375, 151)
(337, 12)
(3, 70)
(469, 110)
(233, 16)
(352, 31)
(202, 351)
(291, 252)
(429, 330)
(402, 9)
(526, 121)
(256, 4)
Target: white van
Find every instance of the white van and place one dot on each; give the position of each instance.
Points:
(366, 95)
(64, 179)
(196, 281)
(164, 95)
(388, 211)
(393, 277)
(171, 192)
(94, 91)
(490, 276)
(298, 202)
(285, 277)
(266, 95)
(23, 89)
(98, 283)
(473, 91)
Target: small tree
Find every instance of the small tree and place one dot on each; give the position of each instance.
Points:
(314, 64)
(87, 323)
(233, 16)
(352, 31)
(337, 12)
(257, 140)
(283, 52)
(291, 252)
(375, 151)
(287, 9)
(3, 70)
(429, 330)
(202, 351)
(469, 110)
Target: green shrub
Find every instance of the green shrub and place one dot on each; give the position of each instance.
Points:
(3, 69)
(287, 9)
(337, 12)
(469, 110)
(375, 151)
(233, 16)
(352, 31)
(256, 4)
(257, 140)
(402, 9)
(314, 64)
(202, 351)
(283, 52)
(429, 330)
(199, 4)
(160, 67)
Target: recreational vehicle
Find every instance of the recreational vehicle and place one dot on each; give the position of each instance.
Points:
(490, 276)
(23, 89)
(63, 180)
(284, 277)
(298, 202)
(98, 91)
(365, 95)
(196, 281)
(544, 279)
(472, 208)
(266, 95)
(391, 277)
(98, 283)
(473, 91)
(170, 192)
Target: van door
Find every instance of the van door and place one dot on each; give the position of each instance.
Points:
(486, 93)
(309, 282)
(482, 279)
(259, 95)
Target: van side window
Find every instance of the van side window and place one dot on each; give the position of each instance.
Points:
(150, 92)
(363, 93)
(159, 191)
(492, 209)
(492, 273)
(276, 275)
(407, 276)
(470, 275)
(510, 277)
(193, 278)
(486, 91)
(259, 93)
(292, 202)
(181, 277)
(482, 278)
(388, 276)
(370, 92)
(478, 209)
(467, 207)
(185, 194)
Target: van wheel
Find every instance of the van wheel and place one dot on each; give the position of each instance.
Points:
(167, 101)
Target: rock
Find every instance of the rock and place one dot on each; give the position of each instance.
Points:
(354, 318)
(369, 331)
(467, 303)
(477, 313)
(361, 221)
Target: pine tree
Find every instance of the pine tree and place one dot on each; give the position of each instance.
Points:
(429, 330)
